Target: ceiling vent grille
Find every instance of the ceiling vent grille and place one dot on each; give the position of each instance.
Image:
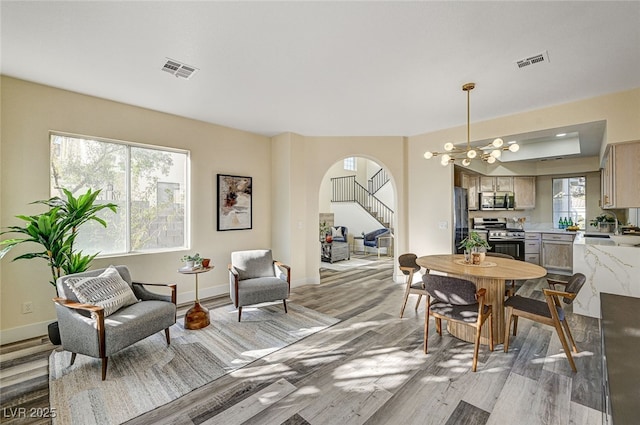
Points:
(540, 58)
(179, 69)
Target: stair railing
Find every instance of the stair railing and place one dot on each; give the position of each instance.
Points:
(347, 189)
(378, 180)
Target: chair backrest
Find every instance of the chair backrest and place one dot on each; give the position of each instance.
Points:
(408, 260)
(451, 290)
(499, 255)
(65, 292)
(254, 263)
(574, 285)
(372, 235)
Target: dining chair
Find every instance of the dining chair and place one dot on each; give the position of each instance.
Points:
(456, 300)
(408, 267)
(511, 284)
(548, 312)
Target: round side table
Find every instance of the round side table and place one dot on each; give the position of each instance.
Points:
(197, 317)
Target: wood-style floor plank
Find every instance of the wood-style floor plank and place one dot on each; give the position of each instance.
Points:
(370, 368)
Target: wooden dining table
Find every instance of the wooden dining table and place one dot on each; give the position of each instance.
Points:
(491, 274)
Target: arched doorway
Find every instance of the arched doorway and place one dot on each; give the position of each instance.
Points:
(357, 194)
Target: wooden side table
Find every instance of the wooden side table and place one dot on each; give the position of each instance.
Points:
(197, 317)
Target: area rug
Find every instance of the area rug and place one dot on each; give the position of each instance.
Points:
(149, 374)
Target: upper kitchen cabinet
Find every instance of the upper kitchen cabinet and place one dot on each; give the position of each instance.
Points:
(496, 184)
(524, 193)
(620, 176)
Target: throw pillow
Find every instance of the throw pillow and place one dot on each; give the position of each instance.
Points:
(107, 290)
(336, 232)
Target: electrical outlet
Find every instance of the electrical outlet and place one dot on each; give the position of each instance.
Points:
(27, 307)
(443, 225)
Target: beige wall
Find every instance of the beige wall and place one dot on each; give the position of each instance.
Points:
(30, 111)
(313, 157)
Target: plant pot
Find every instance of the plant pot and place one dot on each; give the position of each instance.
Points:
(477, 257)
(54, 333)
(205, 262)
(606, 227)
(189, 264)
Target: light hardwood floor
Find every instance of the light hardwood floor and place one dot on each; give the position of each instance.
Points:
(370, 369)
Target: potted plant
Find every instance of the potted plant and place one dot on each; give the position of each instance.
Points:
(324, 229)
(474, 243)
(191, 261)
(604, 222)
(55, 231)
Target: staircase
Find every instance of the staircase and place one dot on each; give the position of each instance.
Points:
(347, 189)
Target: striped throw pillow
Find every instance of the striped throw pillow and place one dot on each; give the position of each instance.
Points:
(107, 290)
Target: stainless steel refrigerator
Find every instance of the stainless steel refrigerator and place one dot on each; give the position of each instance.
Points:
(460, 217)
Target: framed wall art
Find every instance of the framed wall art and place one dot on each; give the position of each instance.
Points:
(235, 200)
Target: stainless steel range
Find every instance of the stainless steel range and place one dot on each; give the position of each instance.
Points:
(501, 238)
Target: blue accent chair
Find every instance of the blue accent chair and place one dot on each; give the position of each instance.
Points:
(378, 239)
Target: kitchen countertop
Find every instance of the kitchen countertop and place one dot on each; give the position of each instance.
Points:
(552, 231)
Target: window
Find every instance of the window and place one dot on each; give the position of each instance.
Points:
(569, 200)
(149, 185)
(350, 164)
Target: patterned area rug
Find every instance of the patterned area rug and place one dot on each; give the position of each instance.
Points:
(149, 374)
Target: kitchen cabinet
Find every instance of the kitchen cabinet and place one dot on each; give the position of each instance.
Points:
(532, 247)
(557, 252)
(470, 182)
(618, 175)
(524, 192)
(496, 184)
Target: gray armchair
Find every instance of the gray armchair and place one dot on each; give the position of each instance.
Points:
(85, 329)
(254, 277)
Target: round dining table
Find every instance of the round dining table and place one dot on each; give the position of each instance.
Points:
(491, 274)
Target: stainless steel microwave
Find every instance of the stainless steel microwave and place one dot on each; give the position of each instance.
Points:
(496, 201)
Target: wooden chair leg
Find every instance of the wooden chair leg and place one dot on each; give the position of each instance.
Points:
(476, 347)
(563, 341)
(439, 325)
(567, 332)
(73, 359)
(167, 336)
(406, 297)
(515, 325)
(284, 303)
(426, 323)
(418, 302)
(239, 313)
(104, 367)
(508, 320)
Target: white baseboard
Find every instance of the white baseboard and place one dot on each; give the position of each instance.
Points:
(21, 333)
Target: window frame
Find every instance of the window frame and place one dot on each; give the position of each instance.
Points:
(350, 163)
(554, 220)
(187, 193)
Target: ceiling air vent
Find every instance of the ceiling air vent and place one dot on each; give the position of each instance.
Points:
(541, 58)
(179, 69)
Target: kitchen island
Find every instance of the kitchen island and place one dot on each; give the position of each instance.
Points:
(609, 269)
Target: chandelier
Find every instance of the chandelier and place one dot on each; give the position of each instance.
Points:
(488, 153)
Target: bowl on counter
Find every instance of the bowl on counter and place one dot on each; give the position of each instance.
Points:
(626, 240)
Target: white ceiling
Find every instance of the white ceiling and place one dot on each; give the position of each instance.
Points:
(327, 68)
